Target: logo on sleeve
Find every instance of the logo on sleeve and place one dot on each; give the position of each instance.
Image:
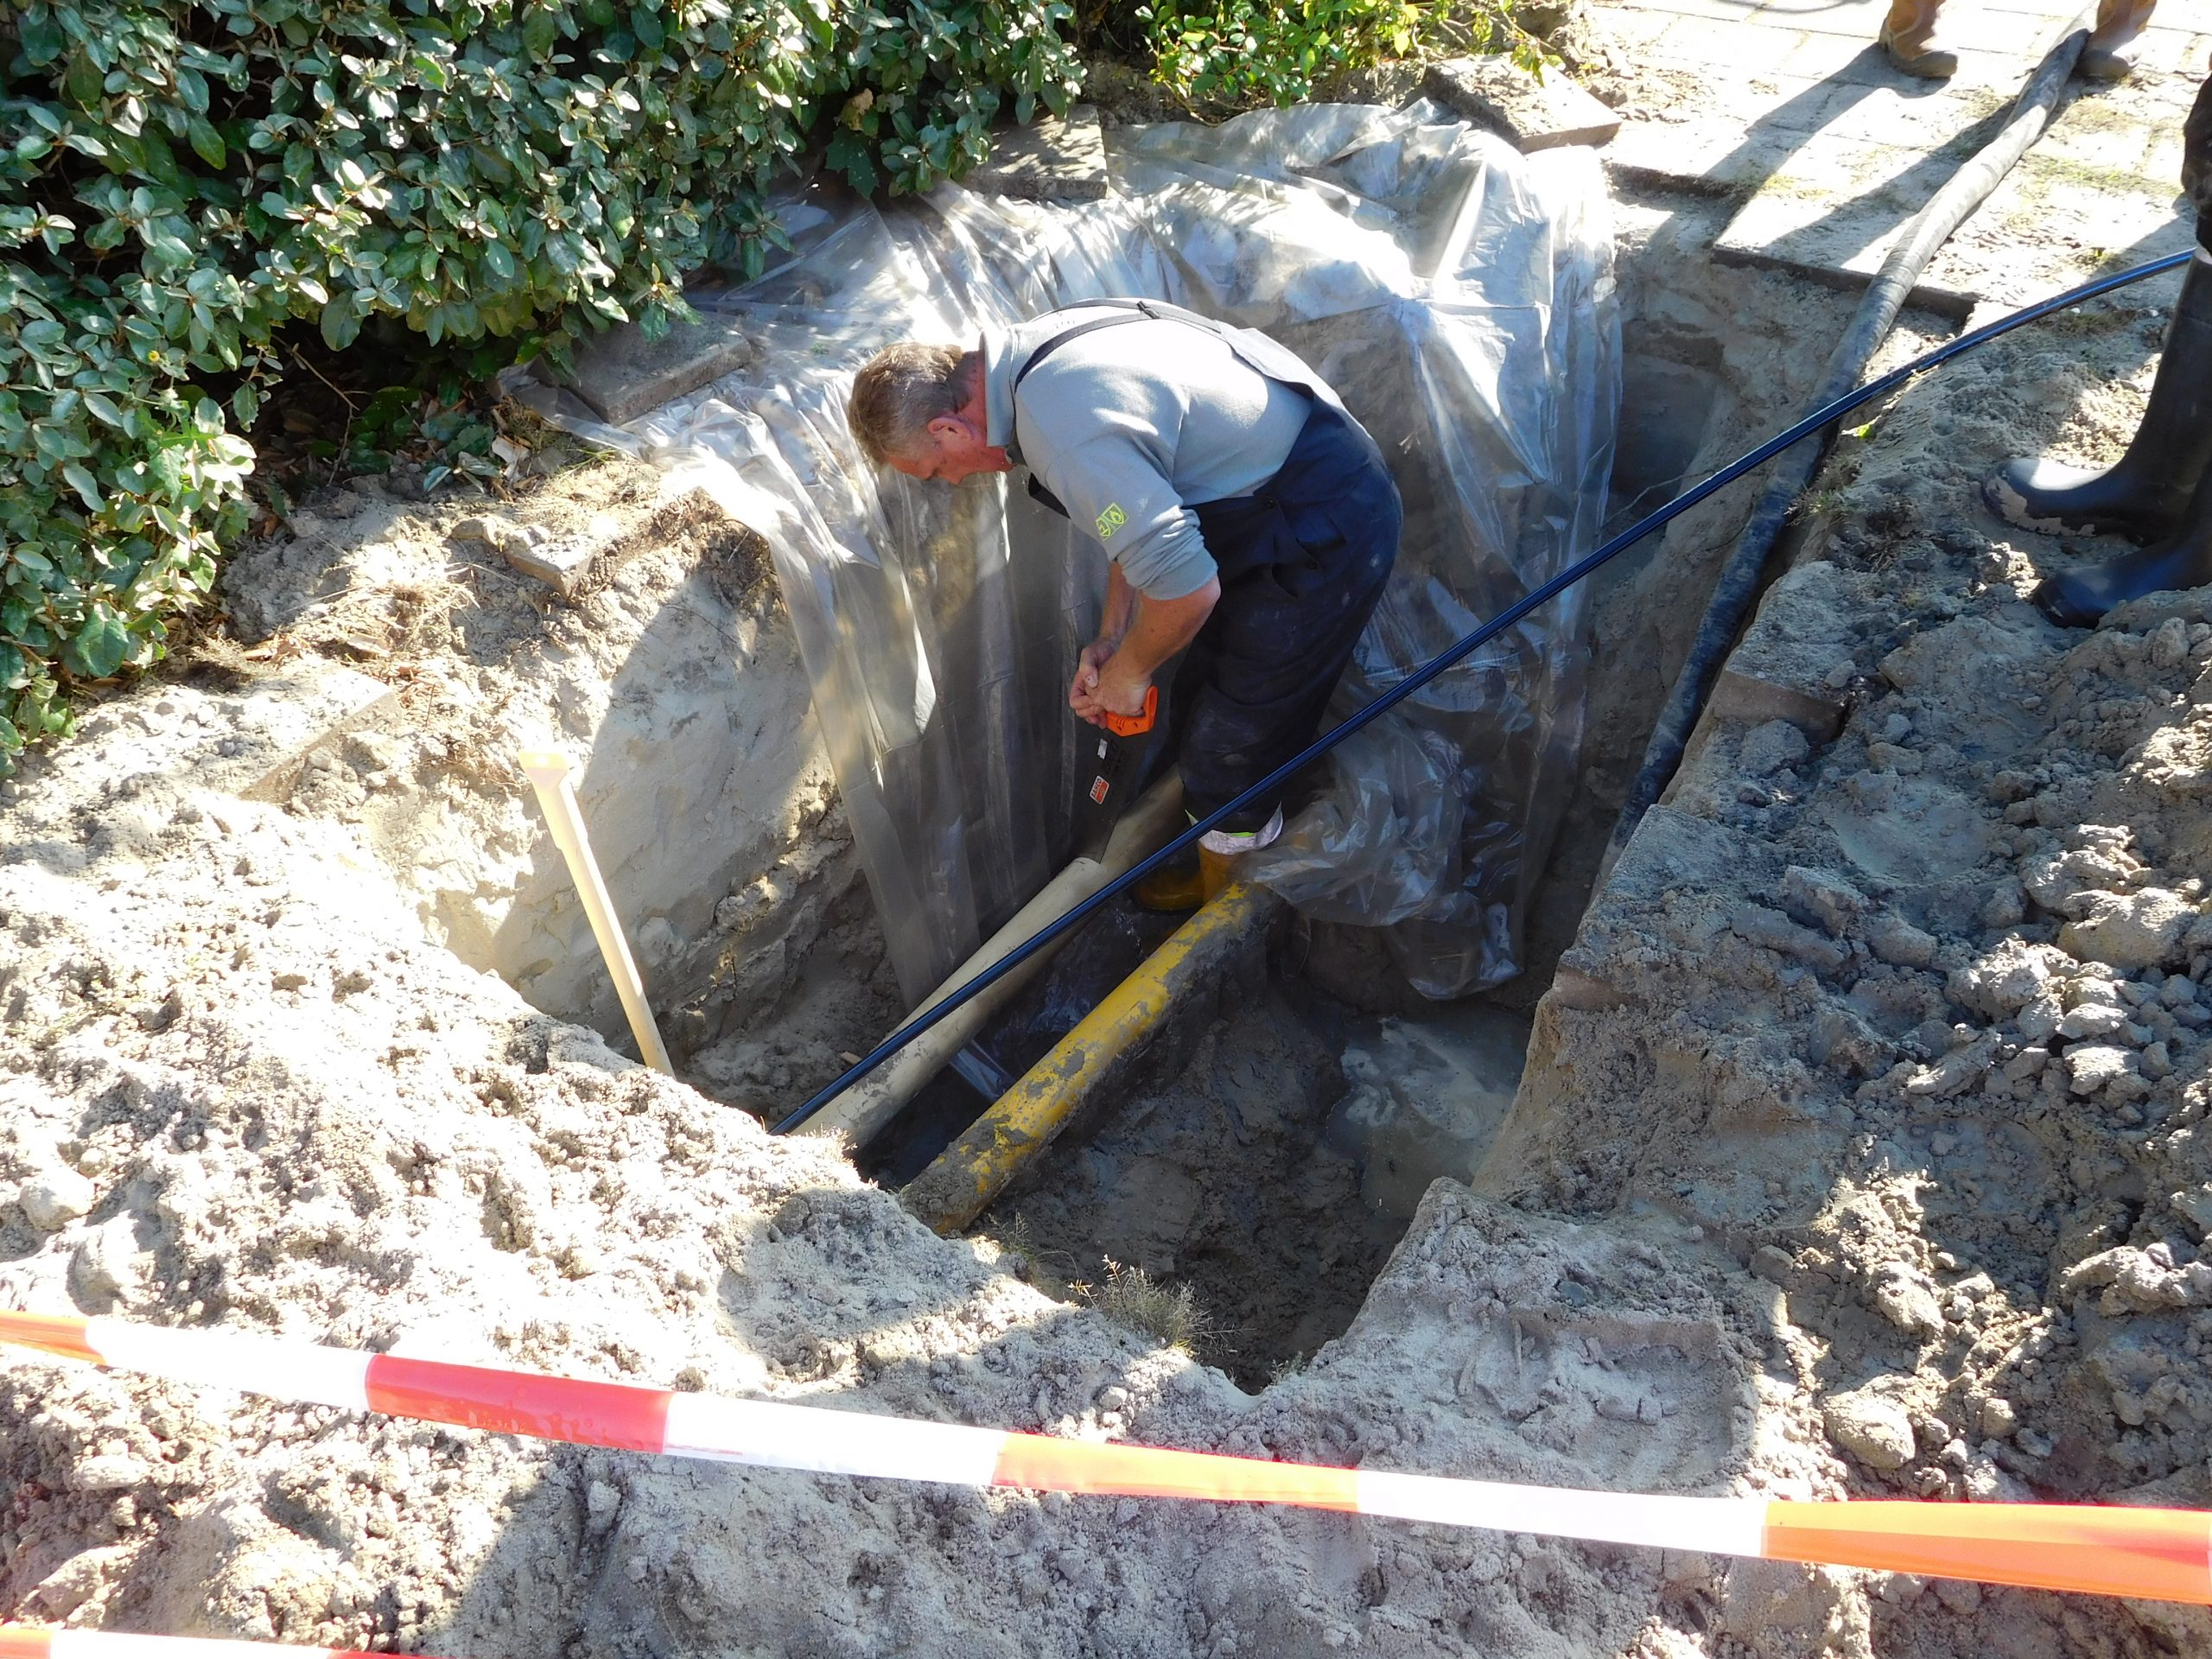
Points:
(1112, 520)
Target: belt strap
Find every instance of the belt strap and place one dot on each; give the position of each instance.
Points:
(1130, 311)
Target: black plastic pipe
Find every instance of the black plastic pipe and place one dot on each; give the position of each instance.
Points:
(1743, 576)
(1824, 416)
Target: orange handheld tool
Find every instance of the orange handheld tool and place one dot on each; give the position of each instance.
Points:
(1117, 752)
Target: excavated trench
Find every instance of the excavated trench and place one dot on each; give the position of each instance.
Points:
(259, 1097)
(1270, 1149)
(1273, 1145)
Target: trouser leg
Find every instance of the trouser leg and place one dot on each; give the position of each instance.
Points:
(1260, 678)
(1909, 37)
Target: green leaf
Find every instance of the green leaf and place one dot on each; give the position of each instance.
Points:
(245, 404)
(540, 32)
(104, 409)
(341, 320)
(88, 486)
(102, 644)
(207, 143)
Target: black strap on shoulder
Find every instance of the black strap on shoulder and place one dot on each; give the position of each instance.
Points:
(1133, 313)
(1127, 311)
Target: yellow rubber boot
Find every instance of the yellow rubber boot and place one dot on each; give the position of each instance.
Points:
(1216, 871)
(1909, 37)
(1174, 886)
(1185, 885)
(2110, 54)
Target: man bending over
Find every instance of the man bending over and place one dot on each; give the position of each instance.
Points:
(1248, 522)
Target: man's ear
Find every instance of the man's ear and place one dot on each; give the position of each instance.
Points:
(947, 426)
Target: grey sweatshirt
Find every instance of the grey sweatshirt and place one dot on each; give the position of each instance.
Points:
(1133, 426)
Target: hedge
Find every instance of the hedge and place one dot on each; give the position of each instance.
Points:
(180, 180)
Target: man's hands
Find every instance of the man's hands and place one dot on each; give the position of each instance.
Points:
(1139, 635)
(1103, 686)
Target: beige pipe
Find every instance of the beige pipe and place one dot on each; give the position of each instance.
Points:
(863, 1110)
(548, 769)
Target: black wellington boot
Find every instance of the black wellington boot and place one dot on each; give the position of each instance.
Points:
(2141, 495)
(2079, 598)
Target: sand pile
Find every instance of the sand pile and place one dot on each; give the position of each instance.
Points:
(243, 1090)
(251, 1082)
(1905, 998)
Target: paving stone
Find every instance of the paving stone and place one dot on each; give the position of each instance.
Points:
(1534, 112)
(1702, 154)
(1833, 150)
(1795, 661)
(1748, 49)
(1830, 212)
(622, 374)
(1052, 160)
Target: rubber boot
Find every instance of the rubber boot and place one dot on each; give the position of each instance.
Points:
(2110, 54)
(1188, 883)
(1178, 884)
(2142, 494)
(2079, 598)
(1908, 36)
(1216, 870)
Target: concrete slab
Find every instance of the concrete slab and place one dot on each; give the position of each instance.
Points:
(1053, 160)
(1533, 113)
(622, 374)
(1747, 49)
(1833, 206)
(1795, 110)
(1831, 211)
(1795, 661)
(1707, 155)
(2049, 228)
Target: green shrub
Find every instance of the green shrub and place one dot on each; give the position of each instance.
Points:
(1229, 54)
(181, 179)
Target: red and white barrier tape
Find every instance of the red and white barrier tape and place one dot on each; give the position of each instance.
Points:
(30, 1642)
(2160, 1554)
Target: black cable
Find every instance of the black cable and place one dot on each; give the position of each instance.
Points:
(1397, 694)
(1738, 585)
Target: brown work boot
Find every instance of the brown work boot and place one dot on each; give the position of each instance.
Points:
(1908, 36)
(2110, 54)
(1189, 882)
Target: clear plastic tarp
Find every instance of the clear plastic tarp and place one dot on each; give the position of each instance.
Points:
(1456, 295)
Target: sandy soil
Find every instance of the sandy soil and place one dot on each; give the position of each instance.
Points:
(270, 1103)
(673, 667)
(1913, 1018)
(1858, 1151)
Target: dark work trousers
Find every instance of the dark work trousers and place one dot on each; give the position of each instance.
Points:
(1303, 561)
(2196, 162)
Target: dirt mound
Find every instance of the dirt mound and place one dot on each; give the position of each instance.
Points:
(668, 662)
(269, 1102)
(1907, 1001)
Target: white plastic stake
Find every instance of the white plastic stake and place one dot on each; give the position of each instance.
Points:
(548, 771)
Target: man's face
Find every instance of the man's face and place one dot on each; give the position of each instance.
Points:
(952, 451)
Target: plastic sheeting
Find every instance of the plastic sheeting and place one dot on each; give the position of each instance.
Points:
(1459, 298)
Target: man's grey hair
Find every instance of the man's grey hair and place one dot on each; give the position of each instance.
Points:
(902, 388)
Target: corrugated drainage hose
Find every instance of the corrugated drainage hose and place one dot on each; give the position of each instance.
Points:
(1741, 578)
(1826, 415)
